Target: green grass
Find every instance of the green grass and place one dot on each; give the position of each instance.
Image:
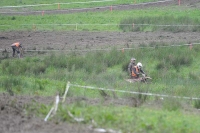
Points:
(107, 21)
(108, 70)
(127, 119)
(173, 74)
(139, 120)
(175, 70)
(161, 23)
(53, 4)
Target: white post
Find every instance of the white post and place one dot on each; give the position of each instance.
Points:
(53, 109)
(67, 88)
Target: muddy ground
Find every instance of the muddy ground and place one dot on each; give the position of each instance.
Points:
(79, 40)
(13, 117)
(85, 40)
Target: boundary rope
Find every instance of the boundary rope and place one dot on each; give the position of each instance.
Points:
(133, 92)
(140, 4)
(56, 4)
(117, 49)
(159, 25)
(86, 50)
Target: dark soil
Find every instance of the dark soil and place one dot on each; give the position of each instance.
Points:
(15, 119)
(81, 40)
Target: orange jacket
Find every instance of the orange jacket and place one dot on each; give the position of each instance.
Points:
(17, 44)
(136, 70)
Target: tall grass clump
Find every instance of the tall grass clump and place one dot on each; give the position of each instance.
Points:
(11, 84)
(114, 57)
(91, 62)
(175, 58)
(197, 104)
(152, 23)
(14, 67)
(169, 67)
(21, 67)
(95, 62)
(57, 61)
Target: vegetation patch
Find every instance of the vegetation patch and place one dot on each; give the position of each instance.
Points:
(160, 23)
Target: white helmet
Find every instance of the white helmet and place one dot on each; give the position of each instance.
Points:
(139, 65)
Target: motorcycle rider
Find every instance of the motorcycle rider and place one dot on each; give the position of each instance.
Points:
(137, 70)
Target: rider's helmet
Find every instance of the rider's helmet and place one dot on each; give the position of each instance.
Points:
(133, 59)
(139, 65)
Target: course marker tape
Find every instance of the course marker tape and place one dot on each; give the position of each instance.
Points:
(76, 24)
(55, 4)
(89, 8)
(66, 90)
(133, 92)
(86, 50)
(122, 49)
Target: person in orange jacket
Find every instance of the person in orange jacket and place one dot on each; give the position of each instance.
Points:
(137, 70)
(16, 47)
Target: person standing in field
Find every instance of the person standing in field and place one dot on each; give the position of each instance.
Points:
(17, 47)
(131, 65)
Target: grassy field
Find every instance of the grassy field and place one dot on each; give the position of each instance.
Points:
(150, 19)
(172, 75)
(53, 4)
(175, 69)
(175, 72)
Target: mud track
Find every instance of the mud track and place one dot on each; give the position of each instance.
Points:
(79, 40)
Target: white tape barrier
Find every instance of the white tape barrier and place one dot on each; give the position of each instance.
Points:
(140, 4)
(75, 118)
(86, 50)
(164, 46)
(53, 109)
(56, 4)
(122, 49)
(66, 90)
(55, 106)
(76, 25)
(132, 92)
(56, 103)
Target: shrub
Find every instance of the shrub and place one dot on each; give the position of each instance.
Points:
(10, 83)
(13, 18)
(58, 61)
(197, 104)
(160, 65)
(39, 68)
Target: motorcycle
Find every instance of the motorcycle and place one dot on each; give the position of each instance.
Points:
(142, 79)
